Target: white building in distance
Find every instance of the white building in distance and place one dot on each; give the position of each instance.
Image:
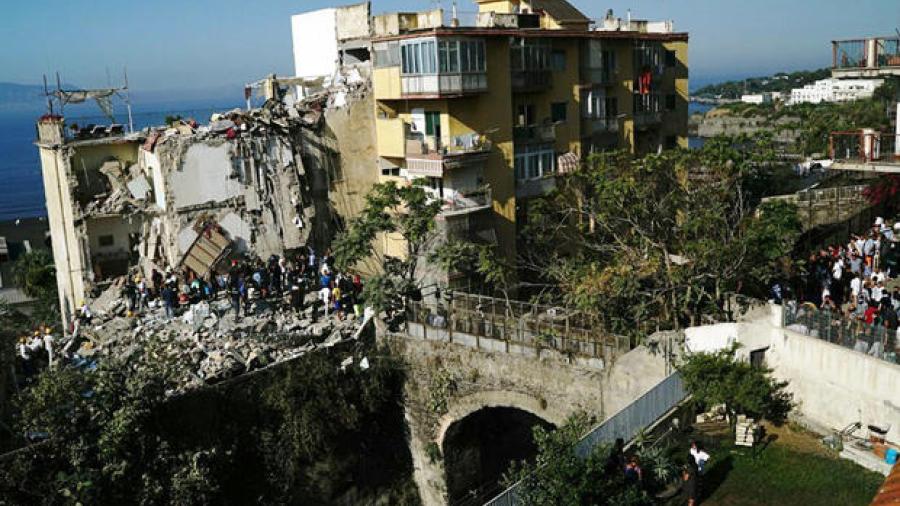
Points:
(835, 90)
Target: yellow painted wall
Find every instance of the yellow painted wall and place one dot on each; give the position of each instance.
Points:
(676, 121)
(492, 112)
(564, 89)
(498, 6)
(386, 83)
(391, 135)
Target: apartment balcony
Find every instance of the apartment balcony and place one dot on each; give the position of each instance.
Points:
(534, 134)
(872, 57)
(865, 150)
(598, 77)
(531, 81)
(443, 85)
(647, 119)
(536, 187)
(602, 125)
(430, 157)
(465, 201)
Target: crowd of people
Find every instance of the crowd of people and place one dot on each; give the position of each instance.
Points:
(277, 280)
(849, 295)
(280, 282)
(37, 350)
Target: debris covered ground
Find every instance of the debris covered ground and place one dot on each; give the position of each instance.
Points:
(206, 343)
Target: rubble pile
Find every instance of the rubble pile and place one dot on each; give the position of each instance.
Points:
(206, 344)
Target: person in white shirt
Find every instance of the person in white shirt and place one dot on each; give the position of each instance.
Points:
(855, 286)
(48, 345)
(700, 456)
(877, 291)
(837, 269)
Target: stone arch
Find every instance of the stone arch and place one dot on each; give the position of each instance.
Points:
(463, 407)
(482, 433)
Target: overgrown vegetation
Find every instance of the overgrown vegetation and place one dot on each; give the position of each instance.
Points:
(406, 211)
(557, 476)
(35, 274)
(659, 240)
(719, 378)
(815, 122)
(782, 81)
(309, 432)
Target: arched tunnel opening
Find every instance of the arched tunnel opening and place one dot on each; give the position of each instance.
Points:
(479, 448)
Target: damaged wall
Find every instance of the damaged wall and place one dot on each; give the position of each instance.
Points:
(206, 175)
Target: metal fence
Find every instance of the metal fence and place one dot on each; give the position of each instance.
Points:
(832, 326)
(625, 424)
(519, 323)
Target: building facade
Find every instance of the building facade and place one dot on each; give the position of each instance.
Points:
(835, 90)
(490, 112)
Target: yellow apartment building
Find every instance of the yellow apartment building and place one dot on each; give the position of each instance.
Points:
(490, 106)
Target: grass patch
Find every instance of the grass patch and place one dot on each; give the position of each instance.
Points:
(791, 469)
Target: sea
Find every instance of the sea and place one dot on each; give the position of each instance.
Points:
(21, 185)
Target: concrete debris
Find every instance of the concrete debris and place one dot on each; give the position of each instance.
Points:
(206, 344)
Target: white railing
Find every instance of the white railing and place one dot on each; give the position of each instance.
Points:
(438, 84)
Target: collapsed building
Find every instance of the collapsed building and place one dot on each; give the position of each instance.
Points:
(187, 197)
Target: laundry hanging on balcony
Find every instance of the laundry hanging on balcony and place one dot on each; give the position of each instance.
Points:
(567, 163)
(644, 82)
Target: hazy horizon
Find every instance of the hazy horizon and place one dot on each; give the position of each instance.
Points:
(204, 45)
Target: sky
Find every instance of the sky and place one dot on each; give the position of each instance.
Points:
(220, 44)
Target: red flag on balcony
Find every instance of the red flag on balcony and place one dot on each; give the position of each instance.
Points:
(644, 82)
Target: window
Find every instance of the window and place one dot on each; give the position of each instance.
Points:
(525, 114)
(535, 161)
(387, 54)
(433, 123)
(671, 58)
(599, 106)
(390, 171)
(670, 102)
(558, 60)
(558, 112)
(106, 240)
(418, 57)
(529, 54)
(461, 56)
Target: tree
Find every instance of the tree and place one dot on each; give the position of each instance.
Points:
(481, 264)
(558, 476)
(771, 237)
(405, 210)
(298, 433)
(656, 240)
(35, 273)
(721, 379)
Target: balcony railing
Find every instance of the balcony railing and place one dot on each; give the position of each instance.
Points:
(608, 124)
(531, 80)
(647, 118)
(428, 156)
(600, 76)
(443, 84)
(466, 200)
(866, 147)
(872, 53)
(534, 133)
